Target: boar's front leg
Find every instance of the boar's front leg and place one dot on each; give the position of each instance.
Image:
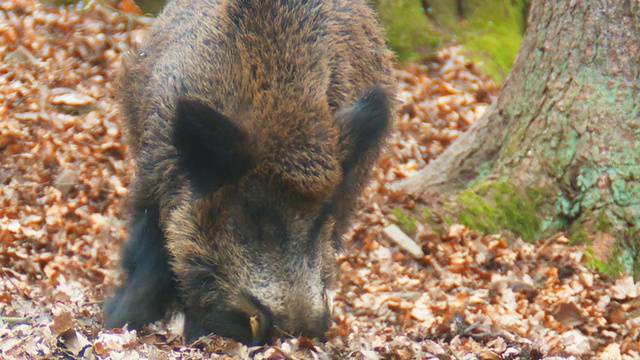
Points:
(150, 288)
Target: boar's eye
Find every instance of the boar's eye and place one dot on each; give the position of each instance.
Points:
(264, 223)
(254, 213)
(255, 217)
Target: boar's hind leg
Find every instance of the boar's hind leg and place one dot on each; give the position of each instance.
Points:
(149, 289)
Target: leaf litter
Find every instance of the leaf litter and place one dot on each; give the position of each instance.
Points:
(434, 295)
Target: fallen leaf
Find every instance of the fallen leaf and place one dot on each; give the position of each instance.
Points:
(611, 352)
(74, 341)
(624, 288)
(569, 315)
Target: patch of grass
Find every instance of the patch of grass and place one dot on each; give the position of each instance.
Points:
(433, 220)
(406, 223)
(497, 206)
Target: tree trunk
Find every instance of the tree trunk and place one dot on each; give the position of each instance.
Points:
(560, 148)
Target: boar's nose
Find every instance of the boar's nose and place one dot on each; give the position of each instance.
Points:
(293, 320)
(304, 318)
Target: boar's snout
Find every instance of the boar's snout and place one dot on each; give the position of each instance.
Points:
(252, 321)
(300, 316)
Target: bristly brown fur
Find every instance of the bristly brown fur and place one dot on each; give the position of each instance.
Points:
(254, 124)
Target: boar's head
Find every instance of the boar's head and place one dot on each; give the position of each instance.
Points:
(254, 234)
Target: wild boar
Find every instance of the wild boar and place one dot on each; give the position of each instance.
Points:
(254, 125)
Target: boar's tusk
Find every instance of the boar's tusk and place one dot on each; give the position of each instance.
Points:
(255, 327)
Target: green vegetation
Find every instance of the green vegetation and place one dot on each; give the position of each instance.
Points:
(407, 27)
(621, 253)
(495, 206)
(434, 221)
(405, 222)
(612, 267)
(602, 223)
(579, 237)
(151, 7)
(490, 30)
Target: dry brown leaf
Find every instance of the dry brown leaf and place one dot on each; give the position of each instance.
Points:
(575, 342)
(569, 315)
(62, 322)
(624, 288)
(74, 341)
(611, 352)
(64, 184)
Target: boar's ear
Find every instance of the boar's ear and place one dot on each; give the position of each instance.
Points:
(212, 149)
(365, 125)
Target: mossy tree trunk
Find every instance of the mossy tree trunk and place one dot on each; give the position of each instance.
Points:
(560, 148)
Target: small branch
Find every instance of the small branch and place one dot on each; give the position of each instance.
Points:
(6, 276)
(11, 320)
(397, 236)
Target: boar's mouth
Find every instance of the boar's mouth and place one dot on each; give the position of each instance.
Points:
(247, 321)
(259, 318)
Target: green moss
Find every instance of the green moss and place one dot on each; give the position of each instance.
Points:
(494, 53)
(477, 214)
(490, 31)
(493, 36)
(579, 238)
(591, 228)
(603, 222)
(407, 28)
(65, 2)
(635, 268)
(611, 266)
(78, 110)
(496, 206)
(406, 223)
(436, 221)
(152, 7)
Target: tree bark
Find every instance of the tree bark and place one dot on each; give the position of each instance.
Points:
(564, 131)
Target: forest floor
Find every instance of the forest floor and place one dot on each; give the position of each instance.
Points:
(64, 173)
